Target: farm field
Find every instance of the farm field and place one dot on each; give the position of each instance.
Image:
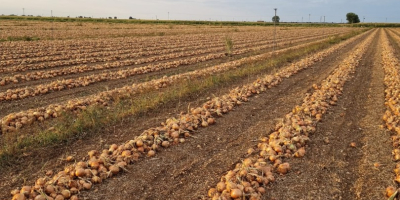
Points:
(156, 111)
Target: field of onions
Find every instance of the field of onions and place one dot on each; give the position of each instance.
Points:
(59, 67)
(315, 118)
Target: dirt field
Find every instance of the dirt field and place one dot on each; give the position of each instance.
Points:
(349, 155)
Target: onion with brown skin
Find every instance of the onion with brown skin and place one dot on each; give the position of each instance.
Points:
(114, 169)
(96, 179)
(80, 172)
(66, 194)
(221, 186)
(236, 193)
(151, 153)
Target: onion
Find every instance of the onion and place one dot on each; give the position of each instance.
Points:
(49, 189)
(236, 193)
(283, 168)
(261, 190)
(96, 179)
(250, 151)
(139, 143)
(221, 186)
(40, 181)
(80, 172)
(92, 153)
(151, 153)
(87, 186)
(66, 194)
(26, 190)
(114, 169)
(165, 144)
(300, 152)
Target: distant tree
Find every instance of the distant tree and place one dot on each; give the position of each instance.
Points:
(130, 17)
(275, 19)
(352, 18)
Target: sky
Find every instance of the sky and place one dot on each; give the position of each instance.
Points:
(215, 10)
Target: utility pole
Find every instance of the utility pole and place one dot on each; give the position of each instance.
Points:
(275, 29)
(51, 13)
(363, 19)
(168, 15)
(301, 19)
(23, 11)
(386, 19)
(309, 18)
(324, 19)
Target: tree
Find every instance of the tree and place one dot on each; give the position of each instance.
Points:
(352, 18)
(275, 19)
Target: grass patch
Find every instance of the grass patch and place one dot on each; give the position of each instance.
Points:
(71, 127)
(228, 45)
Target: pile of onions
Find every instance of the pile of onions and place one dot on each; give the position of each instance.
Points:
(288, 139)
(256, 170)
(15, 121)
(391, 117)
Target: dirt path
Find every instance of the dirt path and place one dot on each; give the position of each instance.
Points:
(332, 169)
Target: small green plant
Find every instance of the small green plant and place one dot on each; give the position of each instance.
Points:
(228, 45)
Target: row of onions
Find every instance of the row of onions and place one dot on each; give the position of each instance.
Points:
(57, 47)
(391, 66)
(100, 31)
(121, 60)
(62, 47)
(15, 121)
(288, 138)
(22, 93)
(149, 45)
(62, 51)
(100, 165)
